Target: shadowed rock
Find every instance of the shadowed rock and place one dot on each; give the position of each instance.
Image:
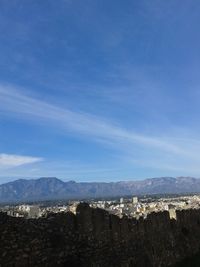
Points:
(93, 237)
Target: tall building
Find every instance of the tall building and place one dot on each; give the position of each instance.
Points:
(34, 212)
(135, 200)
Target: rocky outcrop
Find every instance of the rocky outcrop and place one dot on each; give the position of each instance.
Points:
(93, 237)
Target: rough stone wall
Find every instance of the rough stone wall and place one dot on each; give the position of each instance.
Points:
(95, 238)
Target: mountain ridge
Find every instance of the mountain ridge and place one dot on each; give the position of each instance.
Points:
(51, 188)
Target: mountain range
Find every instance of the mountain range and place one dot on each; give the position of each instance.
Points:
(52, 188)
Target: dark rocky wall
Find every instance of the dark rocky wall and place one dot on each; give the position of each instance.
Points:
(95, 238)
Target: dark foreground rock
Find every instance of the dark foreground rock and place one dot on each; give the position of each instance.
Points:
(95, 238)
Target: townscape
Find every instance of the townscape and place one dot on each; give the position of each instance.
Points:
(134, 207)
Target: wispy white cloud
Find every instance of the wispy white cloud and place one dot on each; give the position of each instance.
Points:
(9, 160)
(174, 154)
(15, 103)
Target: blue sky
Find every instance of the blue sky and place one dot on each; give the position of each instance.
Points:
(99, 90)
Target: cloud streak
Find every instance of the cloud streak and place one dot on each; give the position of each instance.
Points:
(9, 160)
(15, 103)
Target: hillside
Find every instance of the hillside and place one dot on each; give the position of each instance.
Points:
(53, 188)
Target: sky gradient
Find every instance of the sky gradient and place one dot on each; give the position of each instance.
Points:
(99, 90)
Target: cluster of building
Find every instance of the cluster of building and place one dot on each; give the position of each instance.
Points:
(36, 211)
(25, 210)
(142, 207)
(134, 207)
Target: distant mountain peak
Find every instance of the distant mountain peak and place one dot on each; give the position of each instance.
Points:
(49, 188)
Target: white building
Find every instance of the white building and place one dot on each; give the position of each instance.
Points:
(32, 211)
(135, 200)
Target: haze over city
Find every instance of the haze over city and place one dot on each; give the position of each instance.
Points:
(99, 91)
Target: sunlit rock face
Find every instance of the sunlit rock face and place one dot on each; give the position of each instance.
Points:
(93, 237)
